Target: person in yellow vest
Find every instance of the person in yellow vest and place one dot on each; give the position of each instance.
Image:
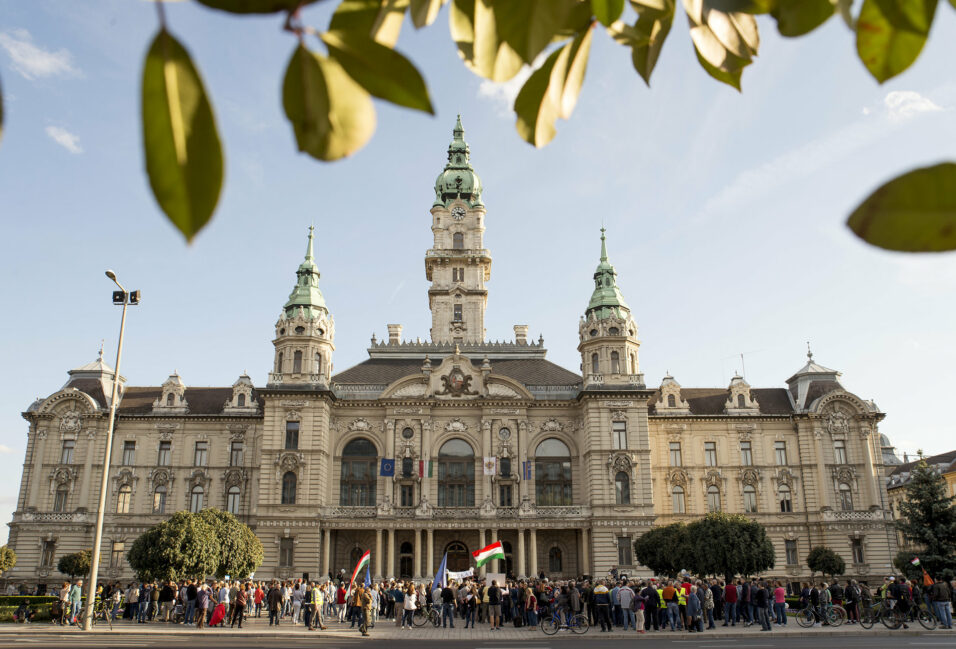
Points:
(682, 606)
(318, 603)
(662, 609)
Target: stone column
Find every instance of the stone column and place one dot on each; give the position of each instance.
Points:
(485, 452)
(84, 500)
(417, 560)
(481, 543)
(870, 479)
(533, 542)
(425, 453)
(430, 551)
(522, 443)
(378, 554)
(390, 569)
(39, 442)
(520, 568)
(586, 553)
(326, 543)
(823, 481)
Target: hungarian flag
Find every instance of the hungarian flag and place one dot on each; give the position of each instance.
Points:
(493, 551)
(915, 561)
(362, 563)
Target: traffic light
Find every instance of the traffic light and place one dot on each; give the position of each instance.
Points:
(119, 297)
(134, 297)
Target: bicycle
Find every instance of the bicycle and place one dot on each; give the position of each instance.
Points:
(894, 618)
(575, 623)
(833, 615)
(101, 612)
(423, 616)
(869, 615)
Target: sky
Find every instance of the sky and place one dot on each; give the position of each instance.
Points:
(725, 212)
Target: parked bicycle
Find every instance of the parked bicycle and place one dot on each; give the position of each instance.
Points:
(101, 613)
(894, 618)
(833, 615)
(425, 615)
(574, 623)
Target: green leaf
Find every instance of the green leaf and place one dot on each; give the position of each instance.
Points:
(380, 20)
(891, 33)
(379, 69)
(744, 6)
(725, 43)
(552, 91)
(255, 6)
(607, 11)
(651, 30)
(529, 26)
(332, 116)
(180, 140)
(424, 12)
(915, 212)
(475, 32)
(799, 17)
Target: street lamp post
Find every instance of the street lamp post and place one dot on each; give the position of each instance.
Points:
(124, 298)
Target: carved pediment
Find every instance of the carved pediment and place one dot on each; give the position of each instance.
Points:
(678, 476)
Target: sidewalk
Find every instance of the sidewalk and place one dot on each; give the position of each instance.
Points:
(386, 629)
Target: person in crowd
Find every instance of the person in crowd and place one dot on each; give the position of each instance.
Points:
(601, 597)
(730, 604)
(760, 595)
(24, 614)
(941, 596)
(202, 605)
(76, 596)
(238, 606)
(274, 603)
(779, 604)
(409, 604)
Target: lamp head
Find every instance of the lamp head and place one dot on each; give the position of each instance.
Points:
(111, 275)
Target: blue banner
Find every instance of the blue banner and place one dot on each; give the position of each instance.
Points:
(440, 575)
(388, 467)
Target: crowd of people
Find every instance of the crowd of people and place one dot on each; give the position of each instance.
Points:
(641, 605)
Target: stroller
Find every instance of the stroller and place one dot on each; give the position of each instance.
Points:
(178, 613)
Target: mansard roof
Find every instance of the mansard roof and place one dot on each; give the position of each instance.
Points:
(529, 371)
(202, 401)
(712, 401)
(900, 475)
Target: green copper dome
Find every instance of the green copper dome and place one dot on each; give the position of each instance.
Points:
(459, 179)
(606, 300)
(306, 298)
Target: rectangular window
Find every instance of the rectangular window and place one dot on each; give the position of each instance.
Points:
(457, 316)
(407, 494)
(710, 453)
(791, 550)
(117, 554)
(235, 454)
(504, 495)
(675, 454)
(286, 550)
(619, 435)
(129, 453)
(857, 546)
(159, 500)
(165, 450)
(47, 554)
(66, 455)
(292, 435)
(201, 457)
(59, 500)
(839, 451)
(780, 450)
(746, 455)
(624, 550)
(458, 274)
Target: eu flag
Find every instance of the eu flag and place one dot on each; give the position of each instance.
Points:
(388, 467)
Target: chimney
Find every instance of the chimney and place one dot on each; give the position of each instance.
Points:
(394, 334)
(521, 334)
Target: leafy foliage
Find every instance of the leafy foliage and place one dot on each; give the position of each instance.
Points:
(664, 549)
(76, 564)
(928, 519)
(823, 559)
(8, 558)
(183, 546)
(240, 549)
(728, 545)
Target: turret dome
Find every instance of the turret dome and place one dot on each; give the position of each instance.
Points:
(458, 180)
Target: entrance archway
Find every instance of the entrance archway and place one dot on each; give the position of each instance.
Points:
(459, 559)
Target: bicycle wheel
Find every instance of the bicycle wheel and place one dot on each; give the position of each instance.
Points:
(891, 618)
(927, 621)
(550, 626)
(420, 617)
(867, 618)
(434, 617)
(806, 618)
(579, 624)
(836, 616)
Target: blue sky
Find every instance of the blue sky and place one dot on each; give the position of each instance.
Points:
(724, 211)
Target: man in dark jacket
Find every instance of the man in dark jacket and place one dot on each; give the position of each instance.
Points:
(652, 603)
(274, 603)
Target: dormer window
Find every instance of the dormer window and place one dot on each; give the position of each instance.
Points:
(170, 399)
(458, 241)
(740, 401)
(671, 401)
(300, 330)
(241, 400)
(614, 331)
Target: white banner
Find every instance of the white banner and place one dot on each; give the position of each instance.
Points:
(460, 575)
(491, 465)
(495, 576)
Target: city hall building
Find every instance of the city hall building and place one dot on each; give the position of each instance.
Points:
(450, 444)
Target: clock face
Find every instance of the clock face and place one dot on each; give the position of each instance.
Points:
(458, 212)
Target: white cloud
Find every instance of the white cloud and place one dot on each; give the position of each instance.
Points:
(65, 139)
(34, 62)
(904, 104)
(503, 94)
(6, 450)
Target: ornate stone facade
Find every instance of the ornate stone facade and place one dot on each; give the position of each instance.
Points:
(449, 444)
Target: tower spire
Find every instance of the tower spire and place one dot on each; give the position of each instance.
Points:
(306, 295)
(603, 245)
(606, 300)
(309, 256)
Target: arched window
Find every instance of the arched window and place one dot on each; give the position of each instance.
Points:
(241, 401)
(458, 241)
(297, 362)
(169, 399)
(554, 560)
(713, 499)
(279, 362)
(59, 500)
(196, 499)
(671, 401)
(622, 489)
(750, 499)
(288, 488)
(846, 497)
(786, 503)
(614, 331)
(615, 363)
(232, 500)
(123, 498)
(677, 499)
(552, 473)
(456, 474)
(459, 558)
(740, 401)
(594, 364)
(357, 482)
(159, 500)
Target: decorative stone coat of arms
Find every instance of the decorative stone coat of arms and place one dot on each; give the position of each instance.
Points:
(456, 384)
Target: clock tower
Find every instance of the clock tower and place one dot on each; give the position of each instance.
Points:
(458, 265)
